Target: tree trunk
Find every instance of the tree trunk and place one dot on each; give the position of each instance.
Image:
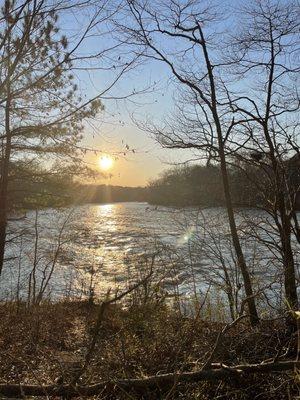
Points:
(285, 230)
(280, 197)
(250, 298)
(4, 183)
(290, 286)
(236, 242)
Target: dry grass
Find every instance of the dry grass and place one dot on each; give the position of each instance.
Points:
(41, 344)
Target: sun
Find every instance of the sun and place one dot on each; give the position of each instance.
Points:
(105, 162)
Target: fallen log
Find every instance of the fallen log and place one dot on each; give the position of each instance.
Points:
(164, 381)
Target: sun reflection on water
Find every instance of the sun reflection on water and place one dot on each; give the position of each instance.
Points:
(105, 210)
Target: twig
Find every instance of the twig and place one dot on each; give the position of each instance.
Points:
(226, 328)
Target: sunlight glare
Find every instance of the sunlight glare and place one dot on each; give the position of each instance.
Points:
(105, 162)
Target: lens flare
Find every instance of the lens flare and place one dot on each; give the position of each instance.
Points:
(187, 235)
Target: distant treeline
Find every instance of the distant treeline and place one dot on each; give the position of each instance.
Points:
(197, 185)
(113, 194)
(32, 187)
(187, 186)
(191, 185)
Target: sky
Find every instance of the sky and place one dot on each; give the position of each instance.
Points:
(114, 128)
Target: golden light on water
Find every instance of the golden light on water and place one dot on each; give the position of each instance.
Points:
(106, 162)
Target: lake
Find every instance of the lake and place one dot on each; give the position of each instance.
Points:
(105, 245)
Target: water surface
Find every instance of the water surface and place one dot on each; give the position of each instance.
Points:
(103, 243)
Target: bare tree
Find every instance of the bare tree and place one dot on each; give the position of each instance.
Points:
(266, 57)
(181, 36)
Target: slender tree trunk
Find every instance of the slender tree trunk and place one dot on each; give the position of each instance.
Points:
(236, 241)
(4, 183)
(250, 298)
(280, 205)
(280, 197)
(285, 230)
(289, 267)
(5, 162)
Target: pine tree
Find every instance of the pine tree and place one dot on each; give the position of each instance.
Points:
(41, 106)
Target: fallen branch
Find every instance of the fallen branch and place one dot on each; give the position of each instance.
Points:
(164, 381)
